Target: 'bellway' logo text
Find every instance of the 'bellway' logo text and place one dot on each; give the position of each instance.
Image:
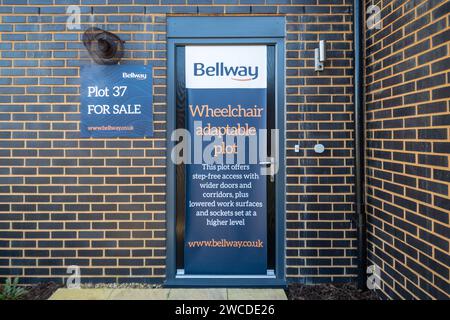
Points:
(132, 75)
(238, 73)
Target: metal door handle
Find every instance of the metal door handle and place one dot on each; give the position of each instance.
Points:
(272, 169)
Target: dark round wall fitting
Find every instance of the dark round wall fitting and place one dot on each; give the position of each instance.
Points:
(103, 46)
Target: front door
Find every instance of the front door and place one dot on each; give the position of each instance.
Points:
(225, 195)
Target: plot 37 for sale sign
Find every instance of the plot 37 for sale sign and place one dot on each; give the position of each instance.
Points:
(116, 101)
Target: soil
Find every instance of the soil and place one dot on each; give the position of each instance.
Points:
(348, 291)
(41, 291)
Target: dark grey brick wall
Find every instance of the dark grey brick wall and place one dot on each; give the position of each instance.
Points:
(100, 203)
(408, 122)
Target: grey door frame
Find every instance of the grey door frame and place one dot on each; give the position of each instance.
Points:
(188, 30)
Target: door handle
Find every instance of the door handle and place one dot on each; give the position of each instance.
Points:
(271, 162)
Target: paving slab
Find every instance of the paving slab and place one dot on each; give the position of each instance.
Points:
(169, 294)
(198, 294)
(139, 294)
(81, 294)
(256, 294)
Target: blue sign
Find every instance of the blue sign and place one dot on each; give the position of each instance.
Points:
(116, 101)
(226, 203)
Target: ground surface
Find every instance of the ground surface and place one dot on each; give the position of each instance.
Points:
(169, 294)
(297, 291)
(41, 291)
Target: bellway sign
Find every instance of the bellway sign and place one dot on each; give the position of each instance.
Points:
(116, 101)
(226, 214)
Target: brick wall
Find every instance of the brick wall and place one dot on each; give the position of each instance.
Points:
(100, 203)
(408, 124)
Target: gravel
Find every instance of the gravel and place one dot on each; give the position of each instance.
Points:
(119, 286)
(347, 291)
(41, 291)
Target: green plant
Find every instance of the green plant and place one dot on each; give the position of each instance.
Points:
(11, 291)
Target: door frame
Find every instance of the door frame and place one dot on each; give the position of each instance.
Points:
(186, 30)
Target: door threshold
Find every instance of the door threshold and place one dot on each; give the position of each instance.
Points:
(181, 275)
(216, 276)
(226, 282)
